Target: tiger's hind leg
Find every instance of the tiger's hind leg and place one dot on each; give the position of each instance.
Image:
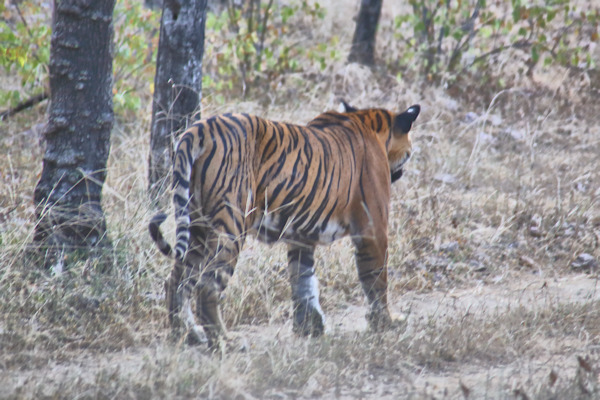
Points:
(214, 279)
(181, 287)
(179, 307)
(308, 316)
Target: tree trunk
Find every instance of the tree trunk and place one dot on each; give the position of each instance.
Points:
(68, 194)
(363, 42)
(153, 3)
(177, 84)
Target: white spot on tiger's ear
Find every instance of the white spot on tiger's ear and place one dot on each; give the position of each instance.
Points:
(415, 109)
(345, 107)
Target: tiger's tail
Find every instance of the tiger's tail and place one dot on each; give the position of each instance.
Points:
(190, 147)
(157, 236)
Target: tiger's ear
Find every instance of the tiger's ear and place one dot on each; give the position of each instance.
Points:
(405, 120)
(345, 107)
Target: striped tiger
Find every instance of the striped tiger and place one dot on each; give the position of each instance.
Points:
(235, 174)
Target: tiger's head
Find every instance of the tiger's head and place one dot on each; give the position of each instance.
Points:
(392, 131)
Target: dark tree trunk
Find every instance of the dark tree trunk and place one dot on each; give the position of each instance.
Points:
(153, 3)
(177, 84)
(68, 194)
(363, 42)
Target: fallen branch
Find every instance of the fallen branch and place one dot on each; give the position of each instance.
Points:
(23, 105)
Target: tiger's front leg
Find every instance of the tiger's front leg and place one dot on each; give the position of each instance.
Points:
(371, 254)
(308, 316)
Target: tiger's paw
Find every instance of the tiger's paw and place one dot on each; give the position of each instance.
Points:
(381, 321)
(196, 336)
(218, 344)
(192, 334)
(216, 338)
(308, 319)
(238, 342)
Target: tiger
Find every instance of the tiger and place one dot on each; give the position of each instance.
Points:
(238, 174)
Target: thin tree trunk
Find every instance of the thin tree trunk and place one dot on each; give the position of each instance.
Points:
(363, 42)
(68, 194)
(177, 84)
(153, 3)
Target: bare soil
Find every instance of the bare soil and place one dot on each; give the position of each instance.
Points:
(47, 373)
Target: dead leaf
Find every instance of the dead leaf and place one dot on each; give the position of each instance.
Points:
(584, 364)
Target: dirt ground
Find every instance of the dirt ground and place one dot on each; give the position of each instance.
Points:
(517, 373)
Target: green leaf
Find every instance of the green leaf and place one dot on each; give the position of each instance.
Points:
(516, 14)
(535, 55)
(575, 59)
(458, 34)
(22, 59)
(286, 13)
(211, 21)
(420, 27)
(486, 32)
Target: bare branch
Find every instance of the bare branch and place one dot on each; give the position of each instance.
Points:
(32, 101)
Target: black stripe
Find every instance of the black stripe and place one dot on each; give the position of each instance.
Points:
(360, 184)
(208, 159)
(379, 122)
(180, 180)
(180, 200)
(373, 274)
(330, 213)
(306, 210)
(302, 256)
(320, 209)
(272, 142)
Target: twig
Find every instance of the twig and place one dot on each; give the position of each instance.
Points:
(16, 5)
(263, 32)
(467, 26)
(245, 62)
(441, 35)
(233, 25)
(23, 105)
(520, 44)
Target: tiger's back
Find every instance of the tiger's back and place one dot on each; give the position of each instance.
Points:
(236, 174)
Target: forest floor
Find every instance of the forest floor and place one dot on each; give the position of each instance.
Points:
(494, 250)
(524, 337)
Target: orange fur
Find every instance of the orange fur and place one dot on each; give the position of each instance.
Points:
(236, 174)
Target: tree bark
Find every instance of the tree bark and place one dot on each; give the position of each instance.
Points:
(153, 3)
(177, 84)
(363, 42)
(68, 194)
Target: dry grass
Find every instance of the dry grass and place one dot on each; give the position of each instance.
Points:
(498, 202)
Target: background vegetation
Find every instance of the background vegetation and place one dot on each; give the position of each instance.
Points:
(494, 233)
